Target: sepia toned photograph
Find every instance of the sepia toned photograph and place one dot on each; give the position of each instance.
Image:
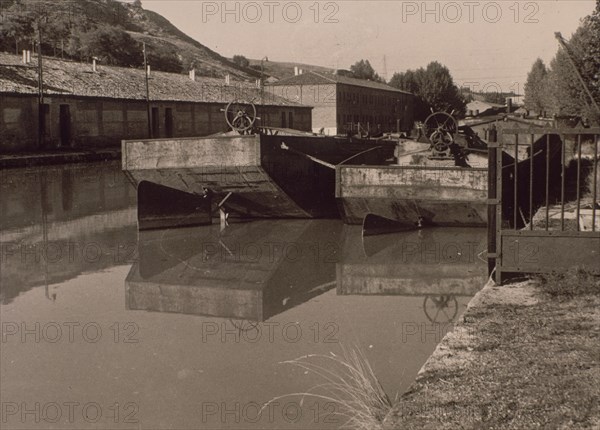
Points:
(299, 215)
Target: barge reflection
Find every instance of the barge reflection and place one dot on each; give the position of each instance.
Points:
(250, 272)
(439, 264)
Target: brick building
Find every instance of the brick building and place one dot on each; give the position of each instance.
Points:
(88, 106)
(341, 102)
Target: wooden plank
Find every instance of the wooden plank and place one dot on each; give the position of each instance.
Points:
(189, 153)
(550, 130)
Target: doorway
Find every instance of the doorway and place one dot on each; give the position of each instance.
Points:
(65, 125)
(169, 122)
(155, 122)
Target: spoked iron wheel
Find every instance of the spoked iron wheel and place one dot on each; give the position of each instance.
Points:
(440, 309)
(244, 326)
(240, 116)
(440, 128)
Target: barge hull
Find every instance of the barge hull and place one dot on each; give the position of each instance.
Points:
(440, 196)
(254, 176)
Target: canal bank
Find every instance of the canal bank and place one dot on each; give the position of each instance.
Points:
(523, 356)
(57, 156)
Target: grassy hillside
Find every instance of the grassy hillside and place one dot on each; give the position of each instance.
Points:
(67, 26)
(281, 70)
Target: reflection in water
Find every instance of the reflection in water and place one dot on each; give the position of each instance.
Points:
(69, 238)
(55, 227)
(249, 271)
(253, 271)
(438, 263)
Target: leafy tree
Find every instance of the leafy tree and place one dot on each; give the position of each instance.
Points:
(17, 27)
(439, 91)
(563, 93)
(73, 45)
(408, 81)
(363, 70)
(241, 61)
(113, 46)
(433, 87)
(163, 58)
(535, 87)
(570, 98)
(55, 32)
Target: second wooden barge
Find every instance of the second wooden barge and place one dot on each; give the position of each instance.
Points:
(442, 196)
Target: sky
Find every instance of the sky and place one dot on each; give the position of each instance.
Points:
(487, 45)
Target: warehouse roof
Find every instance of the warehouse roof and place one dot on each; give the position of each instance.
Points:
(314, 78)
(78, 79)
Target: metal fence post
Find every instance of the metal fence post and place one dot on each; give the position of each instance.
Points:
(492, 200)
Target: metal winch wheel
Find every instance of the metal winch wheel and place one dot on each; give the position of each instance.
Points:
(240, 116)
(440, 128)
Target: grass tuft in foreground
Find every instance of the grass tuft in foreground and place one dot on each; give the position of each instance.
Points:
(348, 382)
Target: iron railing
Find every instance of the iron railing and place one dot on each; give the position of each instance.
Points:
(544, 204)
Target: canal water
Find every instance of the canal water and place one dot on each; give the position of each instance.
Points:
(105, 327)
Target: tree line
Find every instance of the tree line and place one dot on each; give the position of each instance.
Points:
(556, 89)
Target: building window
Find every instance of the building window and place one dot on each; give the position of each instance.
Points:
(291, 119)
(283, 124)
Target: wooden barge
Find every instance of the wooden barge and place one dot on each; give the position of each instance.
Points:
(430, 192)
(184, 181)
(441, 196)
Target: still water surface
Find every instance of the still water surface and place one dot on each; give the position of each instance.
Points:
(105, 327)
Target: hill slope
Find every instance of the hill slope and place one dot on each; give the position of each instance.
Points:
(69, 28)
(282, 70)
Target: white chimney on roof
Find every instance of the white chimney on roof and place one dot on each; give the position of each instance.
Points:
(227, 79)
(296, 71)
(94, 65)
(28, 56)
(24, 56)
(193, 74)
(258, 83)
(300, 71)
(148, 71)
